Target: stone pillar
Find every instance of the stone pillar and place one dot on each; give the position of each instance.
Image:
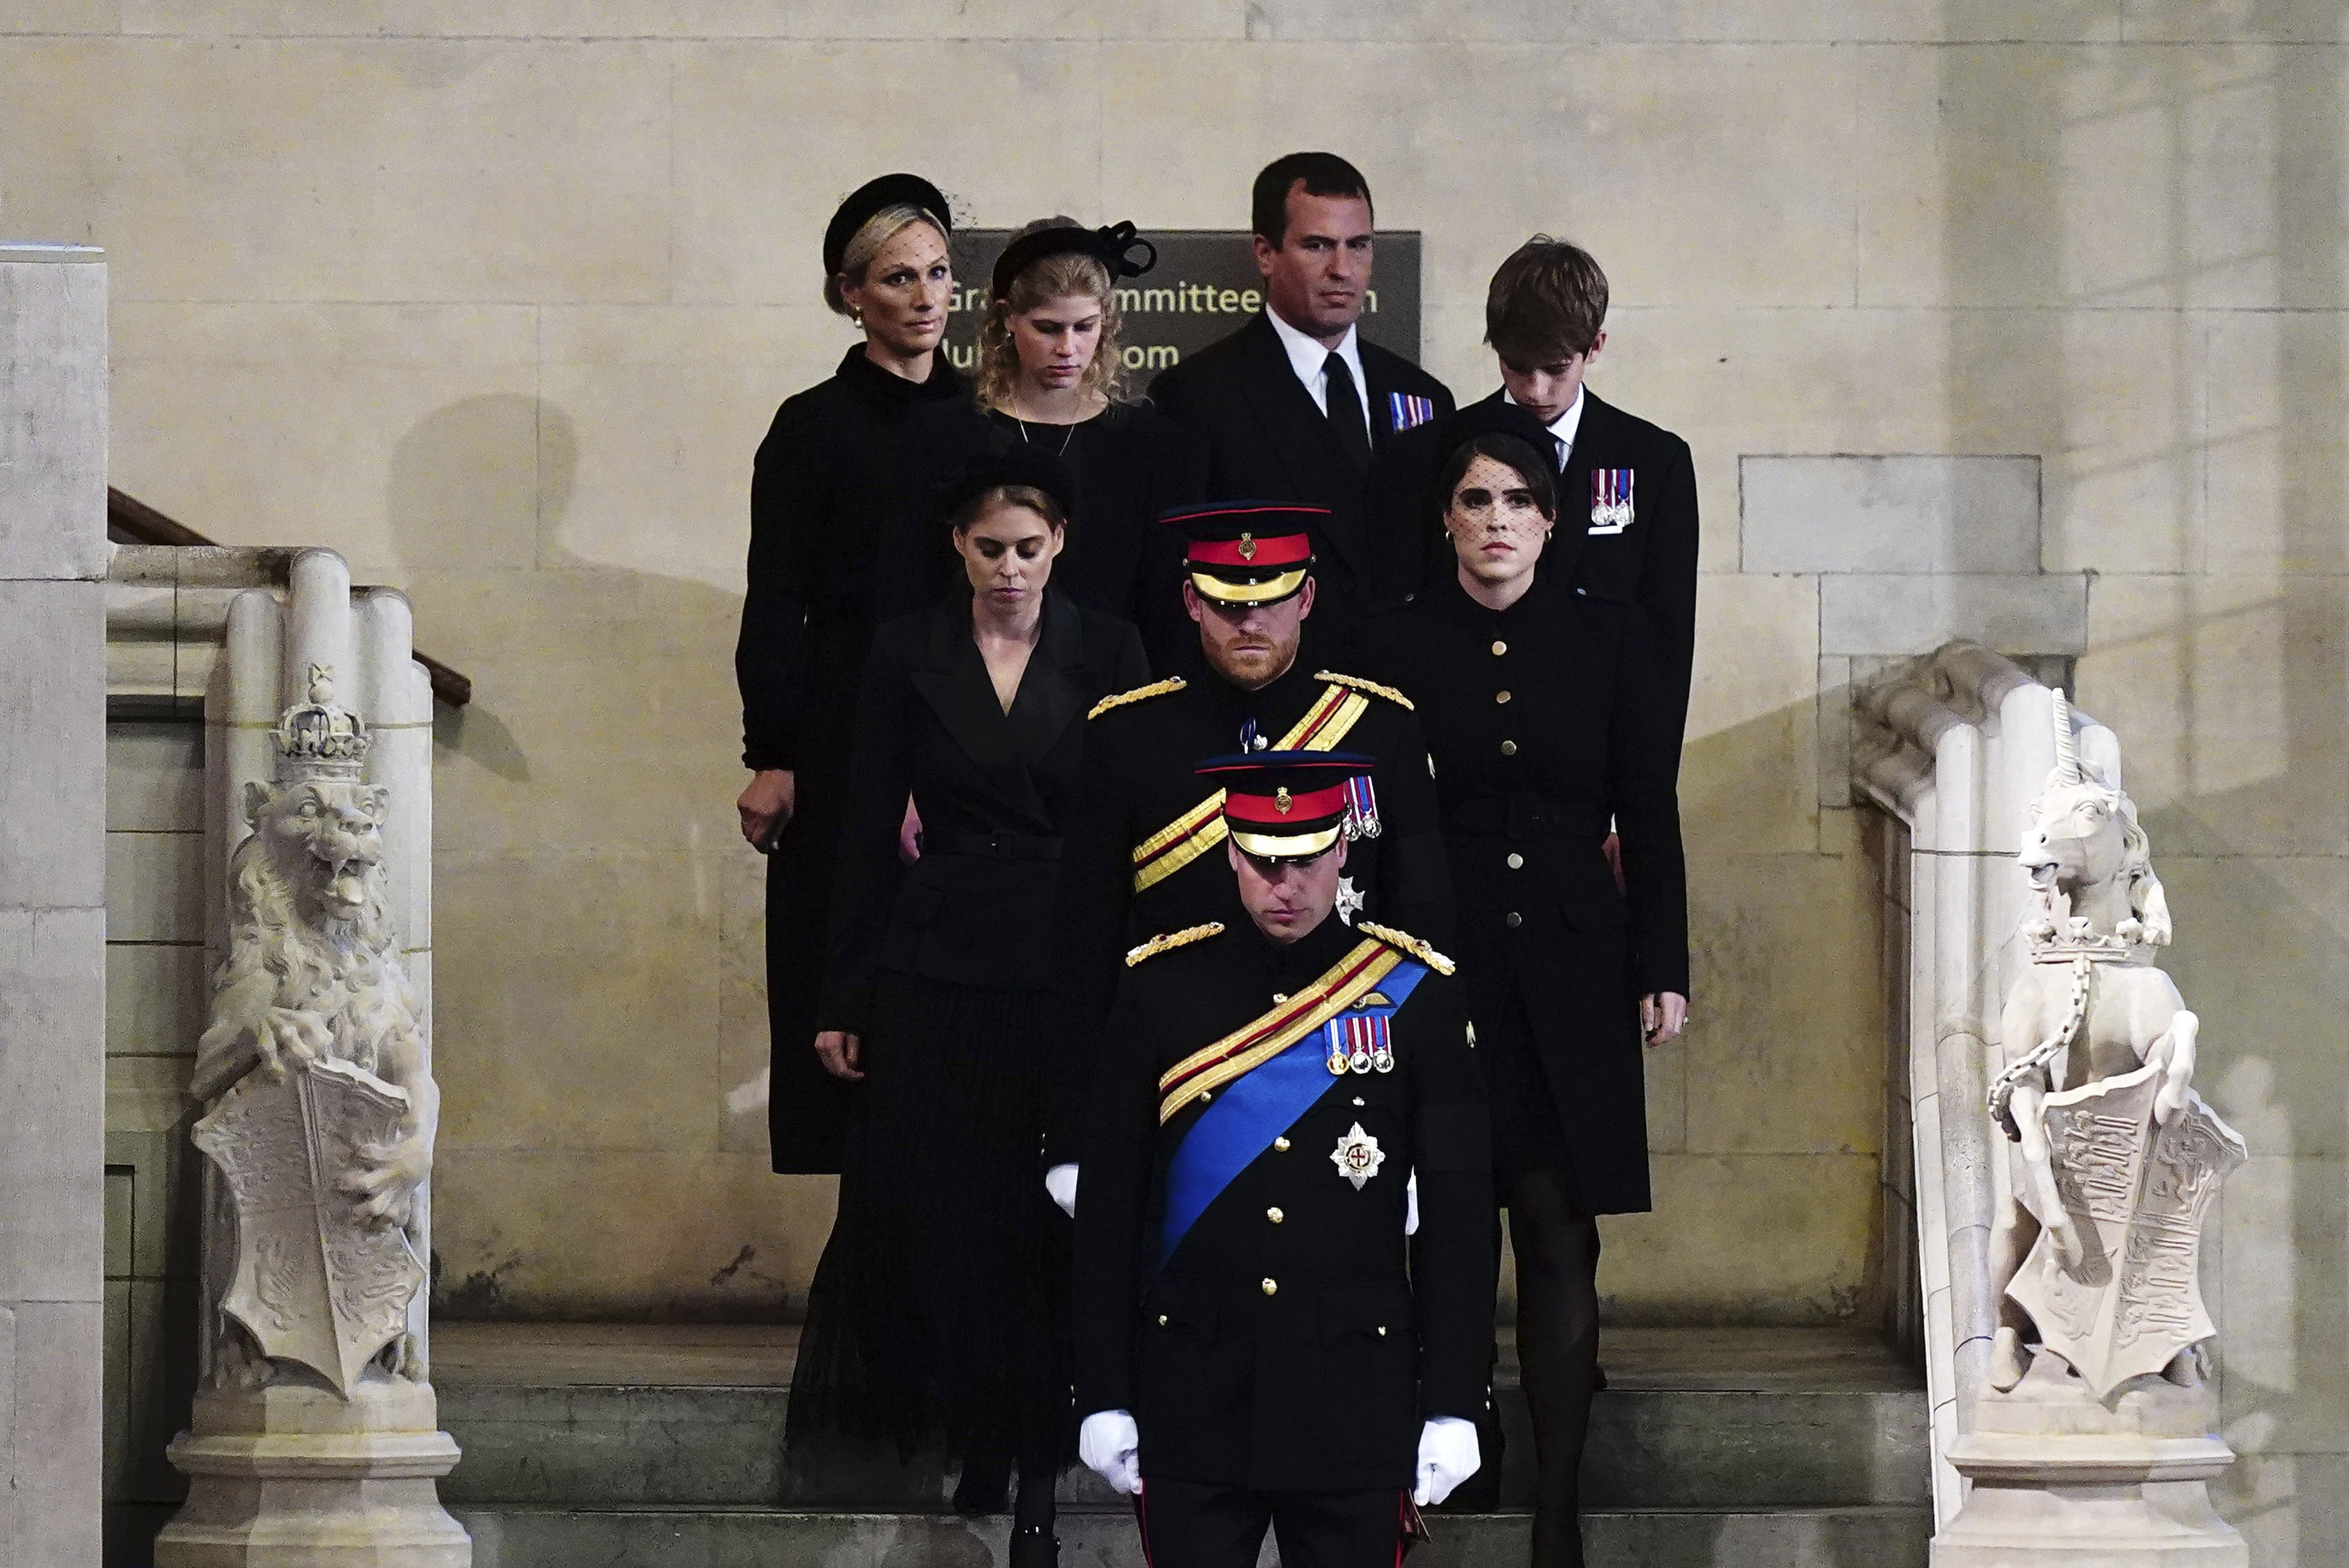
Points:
(53, 556)
(315, 1442)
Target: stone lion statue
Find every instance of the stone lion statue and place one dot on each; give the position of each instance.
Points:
(314, 971)
(2090, 1005)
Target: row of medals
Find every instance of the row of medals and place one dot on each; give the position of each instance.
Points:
(1364, 1059)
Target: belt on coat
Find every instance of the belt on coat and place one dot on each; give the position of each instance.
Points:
(994, 846)
(1525, 815)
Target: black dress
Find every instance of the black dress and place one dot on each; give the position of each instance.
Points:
(1555, 956)
(828, 517)
(1127, 463)
(938, 1317)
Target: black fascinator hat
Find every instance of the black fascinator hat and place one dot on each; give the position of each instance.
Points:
(1112, 246)
(1497, 418)
(872, 197)
(1032, 467)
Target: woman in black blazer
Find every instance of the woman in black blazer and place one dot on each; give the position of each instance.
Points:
(828, 516)
(939, 1314)
(1049, 376)
(1547, 717)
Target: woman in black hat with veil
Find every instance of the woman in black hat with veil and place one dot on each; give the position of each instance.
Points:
(938, 1320)
(828, 515)
(1549, 713)
(1051, 375)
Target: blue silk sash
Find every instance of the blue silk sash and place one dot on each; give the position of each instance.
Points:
(1257, 1108)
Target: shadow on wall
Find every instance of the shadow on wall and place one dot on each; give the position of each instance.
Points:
(596, 914)
(472, 487)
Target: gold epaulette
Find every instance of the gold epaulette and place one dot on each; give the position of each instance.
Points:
(1357, 683)
(1167, 941)
(1415, 946)
(1139, 694)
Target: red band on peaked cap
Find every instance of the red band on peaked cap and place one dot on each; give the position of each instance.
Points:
(1304, 809)
(1259, 551)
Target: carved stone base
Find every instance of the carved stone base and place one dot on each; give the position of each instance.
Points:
(2064, 1480)
(296, 1478)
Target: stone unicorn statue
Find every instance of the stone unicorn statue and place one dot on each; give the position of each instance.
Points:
(2089, 1006)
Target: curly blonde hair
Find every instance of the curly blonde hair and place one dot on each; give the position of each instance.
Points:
(996, 370)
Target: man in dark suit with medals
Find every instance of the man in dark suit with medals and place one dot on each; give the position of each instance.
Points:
(1283, 1270)
(1294, 406)
(1626, 518)
(1138, 854)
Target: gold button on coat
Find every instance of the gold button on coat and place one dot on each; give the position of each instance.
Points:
(1500, 697)
(1274, 1215)
(1162, 1319)
(1517, 861)
(1508, 748)
(1280, 996)
(1272, 1287)
(1499, 648)
(1281, 1144)
(1513, 920)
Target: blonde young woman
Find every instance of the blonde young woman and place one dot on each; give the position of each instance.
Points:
(1051, 374)
(827, 508)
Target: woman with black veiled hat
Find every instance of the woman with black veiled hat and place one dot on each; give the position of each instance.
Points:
(1548, 712)
(938, 1319)
(1051, 374)
(827, 513)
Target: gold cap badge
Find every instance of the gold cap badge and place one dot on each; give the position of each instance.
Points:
(1248, 547)
(1280, 801)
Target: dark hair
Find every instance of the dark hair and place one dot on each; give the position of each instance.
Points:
(1500, 448)
(1322, 174)
(1042, 503)
(1547, 300)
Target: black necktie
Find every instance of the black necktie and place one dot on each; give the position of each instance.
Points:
(1346, 412)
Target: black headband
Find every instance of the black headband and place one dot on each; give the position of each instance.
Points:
(1035, 467)
(869, 201)
(1112, 247)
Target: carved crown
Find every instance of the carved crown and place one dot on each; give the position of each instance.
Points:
(317, 739)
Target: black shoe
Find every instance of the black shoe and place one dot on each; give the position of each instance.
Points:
(1033, 1546)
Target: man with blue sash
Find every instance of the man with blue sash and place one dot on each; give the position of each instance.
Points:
(1284, 1265)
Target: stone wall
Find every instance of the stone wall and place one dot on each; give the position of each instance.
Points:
(52, 914)
(497, 300)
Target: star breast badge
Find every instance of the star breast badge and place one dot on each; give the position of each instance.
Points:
(1358, 1158)
(1349, 902)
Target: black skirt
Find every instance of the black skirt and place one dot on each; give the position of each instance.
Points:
(938, 1318)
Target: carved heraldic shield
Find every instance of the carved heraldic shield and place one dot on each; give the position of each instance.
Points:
(2138, 1194)
(313, 1284)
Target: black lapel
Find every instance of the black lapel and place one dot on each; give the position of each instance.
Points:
(953, 683)
(1591, 438)
(1318, 466)
(1051, 694)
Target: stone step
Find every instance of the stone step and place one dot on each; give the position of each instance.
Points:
(1693, 1419)
(526, 1537)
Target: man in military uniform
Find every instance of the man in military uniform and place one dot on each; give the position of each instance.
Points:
(1295, 405)
(1138, 852)
(1283, 1103)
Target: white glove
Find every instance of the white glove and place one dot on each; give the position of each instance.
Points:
(1060, 1181)
(1111, 1446)
(1411, 1205)
(1448, 1455)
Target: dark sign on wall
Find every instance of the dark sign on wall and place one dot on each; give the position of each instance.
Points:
(1204, 286)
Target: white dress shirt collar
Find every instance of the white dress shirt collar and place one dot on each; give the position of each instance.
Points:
(1567, 423)
(1306, 356)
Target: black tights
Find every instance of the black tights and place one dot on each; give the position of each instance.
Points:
(1556, 1248)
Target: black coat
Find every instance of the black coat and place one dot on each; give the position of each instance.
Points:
(1267, 440)
(993, 789)
(1651, 563)
(1128, 464)
(1527, 787)
(1138, 779)
(828, 515)
(1319, 1380)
